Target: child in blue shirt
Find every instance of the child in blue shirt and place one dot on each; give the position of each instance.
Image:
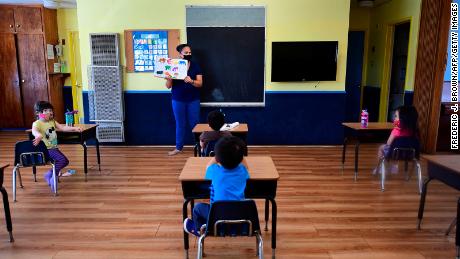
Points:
(228, 174)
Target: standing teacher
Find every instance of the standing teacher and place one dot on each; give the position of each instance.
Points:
(185, 97)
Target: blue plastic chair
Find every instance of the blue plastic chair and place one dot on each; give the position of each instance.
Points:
(405, 149)
(232, 218)
(28, 155)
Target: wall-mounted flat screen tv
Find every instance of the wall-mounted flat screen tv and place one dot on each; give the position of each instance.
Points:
(304, 61)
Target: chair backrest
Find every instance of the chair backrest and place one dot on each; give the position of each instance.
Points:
(404, 148)
(27, 155)
(209, 148)
(233, 218)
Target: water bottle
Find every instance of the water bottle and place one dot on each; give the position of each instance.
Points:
(364, 118)
(69, 119)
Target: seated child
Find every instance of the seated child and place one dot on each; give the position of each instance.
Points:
(44, 129)
(228, 174)
(405, 125)
(216, 119)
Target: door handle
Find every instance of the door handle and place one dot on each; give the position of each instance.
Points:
(23, 81)
(18, 25)
(11, 26)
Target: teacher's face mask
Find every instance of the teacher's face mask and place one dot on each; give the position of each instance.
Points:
(188, 57)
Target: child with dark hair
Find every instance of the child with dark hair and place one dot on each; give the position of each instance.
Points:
(216, 119)
(228, 174)
(44, 129)
(405, 125)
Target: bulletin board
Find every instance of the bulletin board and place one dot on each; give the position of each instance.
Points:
(143, 46)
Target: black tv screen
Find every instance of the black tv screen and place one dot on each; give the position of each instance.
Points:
(304, 61)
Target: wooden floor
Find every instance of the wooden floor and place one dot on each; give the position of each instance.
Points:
(133, 209)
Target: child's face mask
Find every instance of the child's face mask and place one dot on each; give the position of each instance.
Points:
(47, 114)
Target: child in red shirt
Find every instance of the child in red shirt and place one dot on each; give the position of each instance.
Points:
(405, 122)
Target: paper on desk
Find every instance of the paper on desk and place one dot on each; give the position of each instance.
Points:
(229, 126)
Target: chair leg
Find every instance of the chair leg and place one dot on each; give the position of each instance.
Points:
(260, 246)
(14, 183)
(382, 175)
(20, 178)
(451, 226)
(406, 165)
(34, 171)
(419, 176)
(55, 185)
(200, 247)
(6, 207)
(406, 170)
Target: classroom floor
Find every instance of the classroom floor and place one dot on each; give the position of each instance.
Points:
(133, 209)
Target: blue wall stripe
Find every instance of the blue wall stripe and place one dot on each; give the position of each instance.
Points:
(286, 119)
(267, 91)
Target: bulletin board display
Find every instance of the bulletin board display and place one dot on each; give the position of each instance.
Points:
(143, 47)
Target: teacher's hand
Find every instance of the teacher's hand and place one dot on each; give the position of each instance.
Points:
(188, 80)
(169, 82)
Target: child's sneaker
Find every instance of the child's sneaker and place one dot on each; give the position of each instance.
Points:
(48, 177)
(69, 172)
(189, 227)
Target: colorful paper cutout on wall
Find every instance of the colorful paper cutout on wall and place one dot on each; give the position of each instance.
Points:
(147, 47)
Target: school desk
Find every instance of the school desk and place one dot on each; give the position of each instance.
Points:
(446, 169)
(88, 132)
(240, 131)
(6, 204)
(261, 185)
(374, 132)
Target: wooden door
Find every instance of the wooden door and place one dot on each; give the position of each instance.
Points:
(6, 19)
(56, 96)
(32, 73)
(10, 98)
(28, 19)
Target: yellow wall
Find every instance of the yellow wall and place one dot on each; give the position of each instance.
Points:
(391, 13)
(287, 20)
(360, 18)
(67, 22)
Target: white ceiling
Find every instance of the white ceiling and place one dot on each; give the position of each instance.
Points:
(55, 4)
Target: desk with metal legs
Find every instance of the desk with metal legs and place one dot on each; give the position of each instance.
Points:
(88, 133)
(240, 131)
(261, 185)
(446, 169)
(375, 132)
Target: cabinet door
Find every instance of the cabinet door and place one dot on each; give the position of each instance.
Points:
(33, 75)
(10, 98)
(6, 19)
(28, 19)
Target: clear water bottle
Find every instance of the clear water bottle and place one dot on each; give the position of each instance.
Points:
(364, 118)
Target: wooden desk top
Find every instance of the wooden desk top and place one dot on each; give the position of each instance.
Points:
(451, 162)
(84, 127)
(260, 168)
(370, 126)
(201, 127)
(3, 165)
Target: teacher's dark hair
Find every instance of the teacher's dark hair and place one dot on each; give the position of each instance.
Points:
(180, 47)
